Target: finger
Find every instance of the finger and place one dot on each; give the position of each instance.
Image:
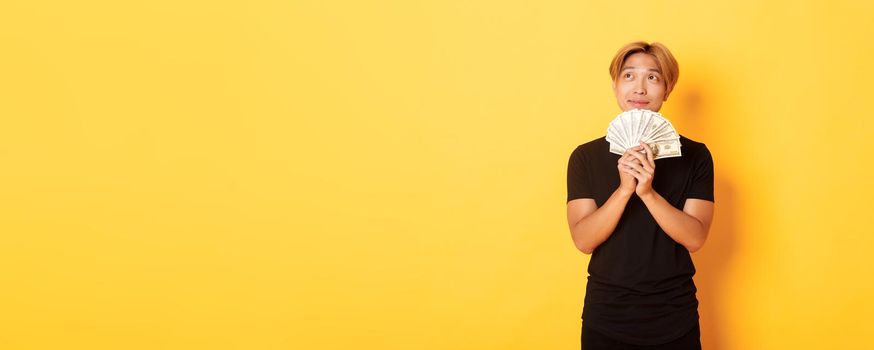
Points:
(637, 169)
(644, 162)
(626, 165)
(632, 173)
(637, 154)
(644, 173)
(627, 157)
(627, 170)
(632, 155)
(634, 149)
(630, 162)
(649, 157)
(634, 165)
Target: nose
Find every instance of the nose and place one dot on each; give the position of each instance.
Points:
(640, 88)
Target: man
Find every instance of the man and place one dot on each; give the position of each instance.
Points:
(640, 227)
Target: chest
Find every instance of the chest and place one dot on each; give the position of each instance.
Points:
(672, 178)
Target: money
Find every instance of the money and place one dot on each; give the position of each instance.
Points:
(631, 127)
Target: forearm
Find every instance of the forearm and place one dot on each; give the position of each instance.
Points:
(681, 227)
(592, 230)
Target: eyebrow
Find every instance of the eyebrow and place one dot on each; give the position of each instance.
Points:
(651, 69)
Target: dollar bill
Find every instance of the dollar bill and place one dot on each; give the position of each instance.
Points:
(631, 127)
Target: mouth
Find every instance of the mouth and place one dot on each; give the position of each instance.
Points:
(638, 103)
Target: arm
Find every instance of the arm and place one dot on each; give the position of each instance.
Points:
(589, 225)
(688, 227)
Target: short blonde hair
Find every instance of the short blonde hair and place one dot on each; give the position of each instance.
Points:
(663, 57)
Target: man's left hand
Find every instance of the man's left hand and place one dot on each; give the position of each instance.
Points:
(642, 167)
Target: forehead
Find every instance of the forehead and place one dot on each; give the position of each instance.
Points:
(641, 61)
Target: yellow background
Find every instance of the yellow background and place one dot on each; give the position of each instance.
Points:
(391, 174)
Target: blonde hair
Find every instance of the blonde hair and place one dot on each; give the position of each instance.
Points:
(663, 57)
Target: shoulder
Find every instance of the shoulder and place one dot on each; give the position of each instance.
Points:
(695, 149)
(591, 147)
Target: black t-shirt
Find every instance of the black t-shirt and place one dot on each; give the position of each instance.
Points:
(640, 288)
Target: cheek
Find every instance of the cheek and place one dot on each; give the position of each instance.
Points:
(622, 89)
(659, 90)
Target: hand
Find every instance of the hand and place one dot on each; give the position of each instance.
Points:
(640, 165)
(627, 182)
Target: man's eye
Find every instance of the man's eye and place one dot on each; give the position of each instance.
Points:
(653, 77)
(628, 75)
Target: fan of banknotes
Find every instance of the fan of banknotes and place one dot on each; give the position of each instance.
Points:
(631, 127)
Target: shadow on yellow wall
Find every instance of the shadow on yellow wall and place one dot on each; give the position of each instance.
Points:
(692, 108)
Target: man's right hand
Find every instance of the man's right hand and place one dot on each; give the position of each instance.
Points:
(627, 183)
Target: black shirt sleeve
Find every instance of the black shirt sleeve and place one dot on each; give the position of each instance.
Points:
(702, 176)
(578, 185)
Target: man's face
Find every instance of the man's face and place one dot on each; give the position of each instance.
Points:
(640, 84)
